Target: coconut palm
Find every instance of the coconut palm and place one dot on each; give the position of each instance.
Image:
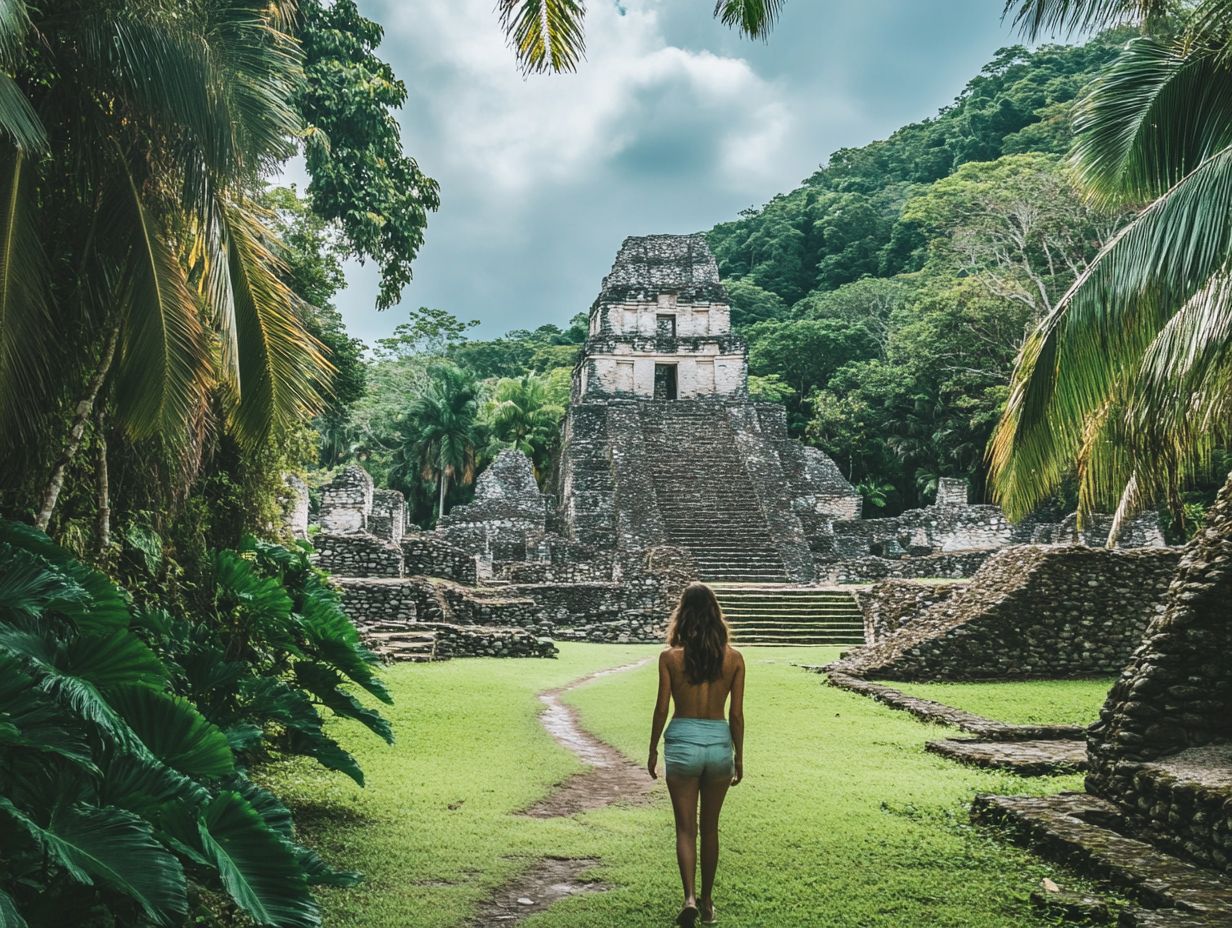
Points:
(521, 415)
(548, 35)
(133, 138)
(1130, 376)
(444, 431)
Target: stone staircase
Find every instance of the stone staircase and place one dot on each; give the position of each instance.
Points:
(766, 614)
(392, 641)
(704, 494)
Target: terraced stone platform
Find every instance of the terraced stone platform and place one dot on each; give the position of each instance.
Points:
(1093, 835)
(781, 614)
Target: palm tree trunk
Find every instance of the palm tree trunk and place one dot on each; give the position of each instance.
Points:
(1128, 498)
(103, 523)
(85, 406)
(440, 508)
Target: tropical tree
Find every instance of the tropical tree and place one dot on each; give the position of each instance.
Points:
(135, 264)
(1130, 375)
(443, 430)
(548, 35)
(521, 415)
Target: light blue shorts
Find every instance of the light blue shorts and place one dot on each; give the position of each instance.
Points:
(698, 748)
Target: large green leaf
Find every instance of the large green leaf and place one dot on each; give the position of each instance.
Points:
(31, 720)
(18, 120)
(114, 848)
(143, 784)
(29, 586)
(336, 640)
(9, 916)
(326, 685)
(255, 864)
(174, 731)
(113, 659)
(269, 699)
(105, 607)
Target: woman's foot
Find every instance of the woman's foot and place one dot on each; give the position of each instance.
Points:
(710, 915)
(688, 916)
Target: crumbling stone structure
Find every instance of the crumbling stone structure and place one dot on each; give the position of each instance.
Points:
(346, 502)
(1162, 749)
(1031, 611)
(662, 446)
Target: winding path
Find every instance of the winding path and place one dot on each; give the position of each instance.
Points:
(608, 778)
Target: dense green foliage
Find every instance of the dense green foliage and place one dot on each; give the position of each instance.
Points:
(360, 176)
(127, 735)
(891, 291)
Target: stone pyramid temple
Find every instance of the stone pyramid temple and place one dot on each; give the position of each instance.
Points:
(662, 444)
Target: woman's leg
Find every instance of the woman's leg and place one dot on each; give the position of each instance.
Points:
(713, 793)
(683, 791)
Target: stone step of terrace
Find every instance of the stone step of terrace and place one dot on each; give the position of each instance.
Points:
(782, 614)
(1094, 836)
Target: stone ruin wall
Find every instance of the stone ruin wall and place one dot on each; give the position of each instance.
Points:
(426, 580)
(1162, 748)
(894, 604)
(1031, 611)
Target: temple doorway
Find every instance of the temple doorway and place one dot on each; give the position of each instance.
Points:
(665, 382)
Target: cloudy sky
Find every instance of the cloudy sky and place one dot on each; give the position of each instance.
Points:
(671, 124)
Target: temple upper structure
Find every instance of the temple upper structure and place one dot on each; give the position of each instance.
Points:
(661, 327)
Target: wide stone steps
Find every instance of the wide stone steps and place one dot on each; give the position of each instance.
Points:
(393, 642)
(787, 615)
(705, 496)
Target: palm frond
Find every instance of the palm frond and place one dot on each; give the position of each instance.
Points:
(1153, 117)
(1039, 17)
(14, 27)
(18, 119)
(752, 18)
(164, 353)
(112, 847)
(25, 310)
(280, 363)
(1086, 350)
(546, 35)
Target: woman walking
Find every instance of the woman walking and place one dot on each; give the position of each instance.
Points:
(703, 750)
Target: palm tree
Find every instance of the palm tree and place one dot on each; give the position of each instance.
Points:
(444, 428)
(521, 415)
(1130, 375)
(133, 139)
(547, 35)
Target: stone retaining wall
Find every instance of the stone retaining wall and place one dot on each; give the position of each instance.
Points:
(428, 555)
(956, 566)
(357, 555)
(476, 641)
(372, 601)
(1031, 611)
(892, 604)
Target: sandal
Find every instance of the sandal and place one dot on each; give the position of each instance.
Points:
(712, 918)
(688, 916)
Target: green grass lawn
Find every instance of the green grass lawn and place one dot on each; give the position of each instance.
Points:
(1027, 702)
(843, 820)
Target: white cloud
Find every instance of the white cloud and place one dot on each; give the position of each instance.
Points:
(523, 133)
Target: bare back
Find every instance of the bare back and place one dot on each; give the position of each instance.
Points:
(704, 700)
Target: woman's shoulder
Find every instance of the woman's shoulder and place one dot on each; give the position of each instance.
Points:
(671, 653)
(733, 655)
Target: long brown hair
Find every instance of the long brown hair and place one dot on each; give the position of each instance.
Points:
(697, 625)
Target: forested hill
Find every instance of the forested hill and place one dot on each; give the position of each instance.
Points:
(885, 298)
